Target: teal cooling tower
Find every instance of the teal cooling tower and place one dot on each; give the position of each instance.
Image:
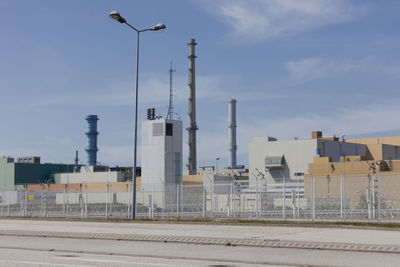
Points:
(92, 139)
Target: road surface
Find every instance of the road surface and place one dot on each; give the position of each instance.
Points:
(66, 243)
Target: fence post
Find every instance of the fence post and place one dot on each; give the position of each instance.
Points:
(232, 201)
(67, 204)
(294, 203)
(26, 203)
(313, 197)
(255, 203)
(86, 200)
(213, 205)
(341, 197)
(379, 198)
(111, 198)
(152, 201)
(8, 203)
(106, 215)
(373, 197)
(177, 200)
(298, 197)
(256, 206)
(130, 201)
(284, 199)
(149, 210)
(368, 193)
(64, 207)
(20, 198)
(204, 202)
(42, 202)
(243, 198)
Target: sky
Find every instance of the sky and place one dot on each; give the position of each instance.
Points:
(293, 66)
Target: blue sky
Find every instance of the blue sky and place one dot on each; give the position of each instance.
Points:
(294, 66)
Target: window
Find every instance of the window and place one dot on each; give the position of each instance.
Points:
(168, 129)
(274, 162)
(158, 129)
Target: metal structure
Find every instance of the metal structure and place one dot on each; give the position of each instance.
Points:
(92, 140)
(116, 16)
(232, 133)
(192, 125)
(170, 115)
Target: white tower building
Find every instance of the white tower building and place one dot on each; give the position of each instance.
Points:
(161, 154)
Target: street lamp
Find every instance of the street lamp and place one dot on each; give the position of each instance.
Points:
(116, 16)
(217, 159)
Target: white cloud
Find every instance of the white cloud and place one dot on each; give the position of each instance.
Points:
(153, 88)
(372, 118)
(264, 19)
(308, 69)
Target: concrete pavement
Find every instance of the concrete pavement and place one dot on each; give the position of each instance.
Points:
(100, 244)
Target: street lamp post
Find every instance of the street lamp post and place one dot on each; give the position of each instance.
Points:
(116, 16)
(217, 159)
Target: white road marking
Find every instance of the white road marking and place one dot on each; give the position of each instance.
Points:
(41, 263)
(121, 261)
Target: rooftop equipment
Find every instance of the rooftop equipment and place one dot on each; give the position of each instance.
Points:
(92, 140)
(151, 114)
(192, 125)
(34, 160)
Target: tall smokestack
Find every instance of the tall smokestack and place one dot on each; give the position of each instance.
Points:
(192, 127)
(92, 139)
(232, 133)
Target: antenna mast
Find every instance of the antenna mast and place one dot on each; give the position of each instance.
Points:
(170, 115)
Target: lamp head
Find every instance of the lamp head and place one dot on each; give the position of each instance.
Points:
(116, 16)
(159, 26)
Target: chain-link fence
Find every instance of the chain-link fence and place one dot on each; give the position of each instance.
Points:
(372, 197)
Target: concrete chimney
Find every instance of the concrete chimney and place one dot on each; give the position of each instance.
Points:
(192, 125)
(232, 133)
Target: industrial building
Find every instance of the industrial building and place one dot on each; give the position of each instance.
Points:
(272, 160)
(356, 178)
(161, 153)
(14, 175)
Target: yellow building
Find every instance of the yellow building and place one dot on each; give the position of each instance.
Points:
(361, 182)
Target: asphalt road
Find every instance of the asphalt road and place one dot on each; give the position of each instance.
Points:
(22, 243)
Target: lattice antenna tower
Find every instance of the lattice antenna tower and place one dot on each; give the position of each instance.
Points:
(170, 114)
